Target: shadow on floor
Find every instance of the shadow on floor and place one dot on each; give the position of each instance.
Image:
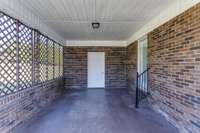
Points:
(96, 111)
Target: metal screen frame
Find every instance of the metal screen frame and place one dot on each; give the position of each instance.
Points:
(27, 57)
(61, 62)
(8, 55)
(50, 59)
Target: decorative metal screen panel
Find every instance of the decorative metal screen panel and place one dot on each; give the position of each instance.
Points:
(50, 59)
(43, 61)
(56, 60)
(8, 55)
(61, 61)
(25, 57)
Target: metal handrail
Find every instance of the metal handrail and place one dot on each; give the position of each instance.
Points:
(142, 88)
(144, 71)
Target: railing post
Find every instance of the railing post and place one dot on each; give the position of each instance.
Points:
(136, 97)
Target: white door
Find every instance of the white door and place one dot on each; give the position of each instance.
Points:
(96, 70)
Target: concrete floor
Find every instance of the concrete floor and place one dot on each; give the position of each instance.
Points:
(97, 111)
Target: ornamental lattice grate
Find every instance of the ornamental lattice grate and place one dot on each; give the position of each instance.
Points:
(25, 57)
(61, 61)
(43, 64)
(8, 55)
(50, 59)
(56, 60)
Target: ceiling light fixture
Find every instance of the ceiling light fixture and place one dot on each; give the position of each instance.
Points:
(95, 25)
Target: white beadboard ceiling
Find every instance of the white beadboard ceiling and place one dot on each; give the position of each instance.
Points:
(119, 19)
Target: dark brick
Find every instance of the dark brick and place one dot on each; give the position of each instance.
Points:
(189, 67)
(197, 59)
(75, 66)
(195, 48)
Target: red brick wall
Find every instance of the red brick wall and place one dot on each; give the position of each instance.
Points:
(21, 106)
(75, 66)
(174, 57)
(131, 66)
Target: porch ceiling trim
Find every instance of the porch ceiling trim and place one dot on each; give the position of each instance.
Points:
(96, 43)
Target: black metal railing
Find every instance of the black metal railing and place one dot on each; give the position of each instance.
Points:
(142, 86)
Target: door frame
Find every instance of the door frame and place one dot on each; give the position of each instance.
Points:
(104, 85)
(139, 61)
(142, 63)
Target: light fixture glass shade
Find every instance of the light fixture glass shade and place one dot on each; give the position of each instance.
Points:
(95, 25)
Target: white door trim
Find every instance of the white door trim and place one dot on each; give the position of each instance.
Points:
(96, 70)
